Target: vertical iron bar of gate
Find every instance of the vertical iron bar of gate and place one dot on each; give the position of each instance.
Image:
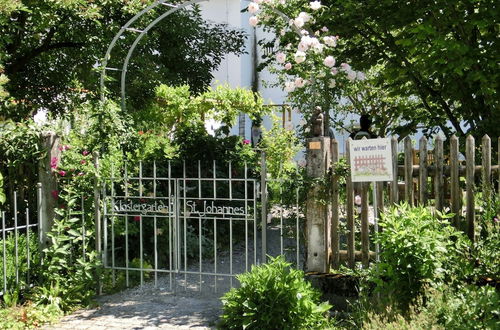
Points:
(16, 238)
(246, 218)
(113, 272)
(141, 245)
(155, 229)
(171, 208)
(4, 255)
(125, 176)
(281, 216)
(105, 225)
(297, 222)
(263, 194)
(215, 228)
(184, 211)
(41, 243)
(84, 235)
(28, 243)
(230, 227)
(199, 225)
(97, 214)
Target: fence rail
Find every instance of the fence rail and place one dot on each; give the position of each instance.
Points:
(426, 177)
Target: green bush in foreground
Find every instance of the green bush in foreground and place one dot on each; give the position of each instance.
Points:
(420, 250)
(274, 296)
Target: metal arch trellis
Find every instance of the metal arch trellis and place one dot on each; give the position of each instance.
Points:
(142, 33)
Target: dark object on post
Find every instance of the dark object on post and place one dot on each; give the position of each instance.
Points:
(364, 122)
(317, 123)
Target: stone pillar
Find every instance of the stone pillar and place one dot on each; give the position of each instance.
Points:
(318, 210)
(49, 193)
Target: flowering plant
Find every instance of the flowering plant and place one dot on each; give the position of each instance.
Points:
(307, 61)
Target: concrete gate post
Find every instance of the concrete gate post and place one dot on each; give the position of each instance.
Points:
(49, 194)
(318, 213)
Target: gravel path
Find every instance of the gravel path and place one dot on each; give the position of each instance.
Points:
(151, 308)
(148, 308)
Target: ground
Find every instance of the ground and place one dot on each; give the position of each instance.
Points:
(148, 307)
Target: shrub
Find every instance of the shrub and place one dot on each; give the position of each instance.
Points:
(419, 250)
(274, 296)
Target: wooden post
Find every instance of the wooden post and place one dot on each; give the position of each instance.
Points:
(408, 171)
(471, 213)
(454, 181)
(365, 230)
(438, 174)
(49, 193)
(317, 214)
(351, 257)
(423, 171)
(263, 199)
(486, 168)
(394, 186)
(335, 209)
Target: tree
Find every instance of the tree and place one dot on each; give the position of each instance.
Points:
(442, 53)
(50, 49)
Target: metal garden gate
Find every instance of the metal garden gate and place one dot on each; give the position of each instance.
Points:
(189, 227)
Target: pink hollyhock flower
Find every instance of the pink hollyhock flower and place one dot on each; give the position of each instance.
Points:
(53, 163)
(55, 194)
(85, 152)
(83, 161)
(357, 200)
(246, 141)
(62, 173)
(137, 218)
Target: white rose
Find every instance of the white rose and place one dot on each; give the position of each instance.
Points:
(289, 86)
(303, 46)
(299, 22)
(329, 61)
(315, 5)
(300, 57)
(288, 66)
(254, 20)
(321, 75)
(253, 8)
(351, 75)
(299, 82)
(281, 57)
(330, 41)
(305, 16)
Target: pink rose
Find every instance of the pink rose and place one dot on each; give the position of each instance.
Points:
(62, 173)
(246, 141)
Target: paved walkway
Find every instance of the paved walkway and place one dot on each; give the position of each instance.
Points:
(147, 308)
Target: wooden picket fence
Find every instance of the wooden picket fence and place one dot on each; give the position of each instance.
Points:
(426, 178)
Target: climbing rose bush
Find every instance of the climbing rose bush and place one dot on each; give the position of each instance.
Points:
(307, 60)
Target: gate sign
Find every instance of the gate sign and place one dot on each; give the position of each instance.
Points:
(371, 160)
